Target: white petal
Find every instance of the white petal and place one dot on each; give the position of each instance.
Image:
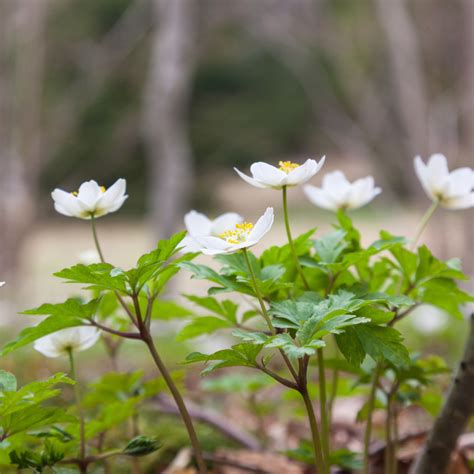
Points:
(304, 173)
(212, 243)
(438, 174)
(197, 223)
(68, 204)
(362, 192)
(421, 171)
(87, 336)
(459, 202)
(45, 346)
(267, 174)
(89, 193)
(250, 180)
(262, 226)
(460, 182)
(225, 222)
(2, 283)
(337, 187)
(189, 245)
(113, 196)
(319, 198)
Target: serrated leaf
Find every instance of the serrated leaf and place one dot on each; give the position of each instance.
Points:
(7, 382)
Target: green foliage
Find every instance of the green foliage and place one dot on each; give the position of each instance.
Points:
(141, 446)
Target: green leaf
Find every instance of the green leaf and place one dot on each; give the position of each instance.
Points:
(202, 325)
(227, 309)
(71, 308)
(330, 246)
(243, 355)
(7, 382)
(98, 276)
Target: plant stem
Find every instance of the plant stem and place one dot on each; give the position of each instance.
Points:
(148, 340)
(290, 238)
(318, 454)
(423, 223)
(77, 395)
(258, 293)
(323, 406)
(334, 386)
(96, 240)
(370, 410)
(265, 312)
(388, 437)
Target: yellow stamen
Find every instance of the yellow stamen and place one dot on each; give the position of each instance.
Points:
(237, 235)
(287, 166)
(102, 189)
(74, 193)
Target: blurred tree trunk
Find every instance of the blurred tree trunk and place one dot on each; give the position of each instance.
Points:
(166, 112)
(21, 71)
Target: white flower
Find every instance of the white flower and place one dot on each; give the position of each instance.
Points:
(198, 224)
(89, 257)
(90, 200)
(453, 190)
(288, 173)
(2, 283)
(243, 235)
(74, 339)
(338, 193)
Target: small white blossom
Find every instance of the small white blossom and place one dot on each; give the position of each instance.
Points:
(90, 200)
(2, 283)
(73, 339)
(198, 224)
(265, 175)
(243, 235)
(89, 257)
(453, 190)
(339, 193)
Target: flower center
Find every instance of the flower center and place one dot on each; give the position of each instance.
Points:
(287, 166)
(237, 235)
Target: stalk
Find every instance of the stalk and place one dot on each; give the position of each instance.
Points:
(370, 411)
(290, 238)
(77, 395)
(388, 438)
(423, 223)
(96, 239)
(318, 454)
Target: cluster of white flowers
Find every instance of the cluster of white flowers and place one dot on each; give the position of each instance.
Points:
(230, 232)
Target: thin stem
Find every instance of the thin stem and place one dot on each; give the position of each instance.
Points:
(290, 238)
(388, 437)
(318, 454)
(370, 411)
(395, 436)
(423, 223)
(333, 394)
(77, 395)
(323, 406)
(148, 339)
(180, 403)
(265, 312)
(258, 293)
(96, 240)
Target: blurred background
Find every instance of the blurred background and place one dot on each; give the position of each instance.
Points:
(171, 94)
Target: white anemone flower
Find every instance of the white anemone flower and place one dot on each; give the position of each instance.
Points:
(67, 340)
(198, 224)
(91, 200)
(453, 190)
(288, 173)
(88, 257)
(242, 236)
(339, 193)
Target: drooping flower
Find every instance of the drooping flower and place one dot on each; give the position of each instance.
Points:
(90, 200)
(243, 235)
(339, 193)
(62, 342)
(453, 190)
(288, 173)
(198, 224)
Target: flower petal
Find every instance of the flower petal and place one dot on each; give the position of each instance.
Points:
(67, 204)
(197, 223)
(250, 180)
(267, 174)
(461, 181)
(113, 196)
(225, 222)
(262, 226)
(318, 197)
(459, 202)
(89, 194)
(438, 173)
(304, 173)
